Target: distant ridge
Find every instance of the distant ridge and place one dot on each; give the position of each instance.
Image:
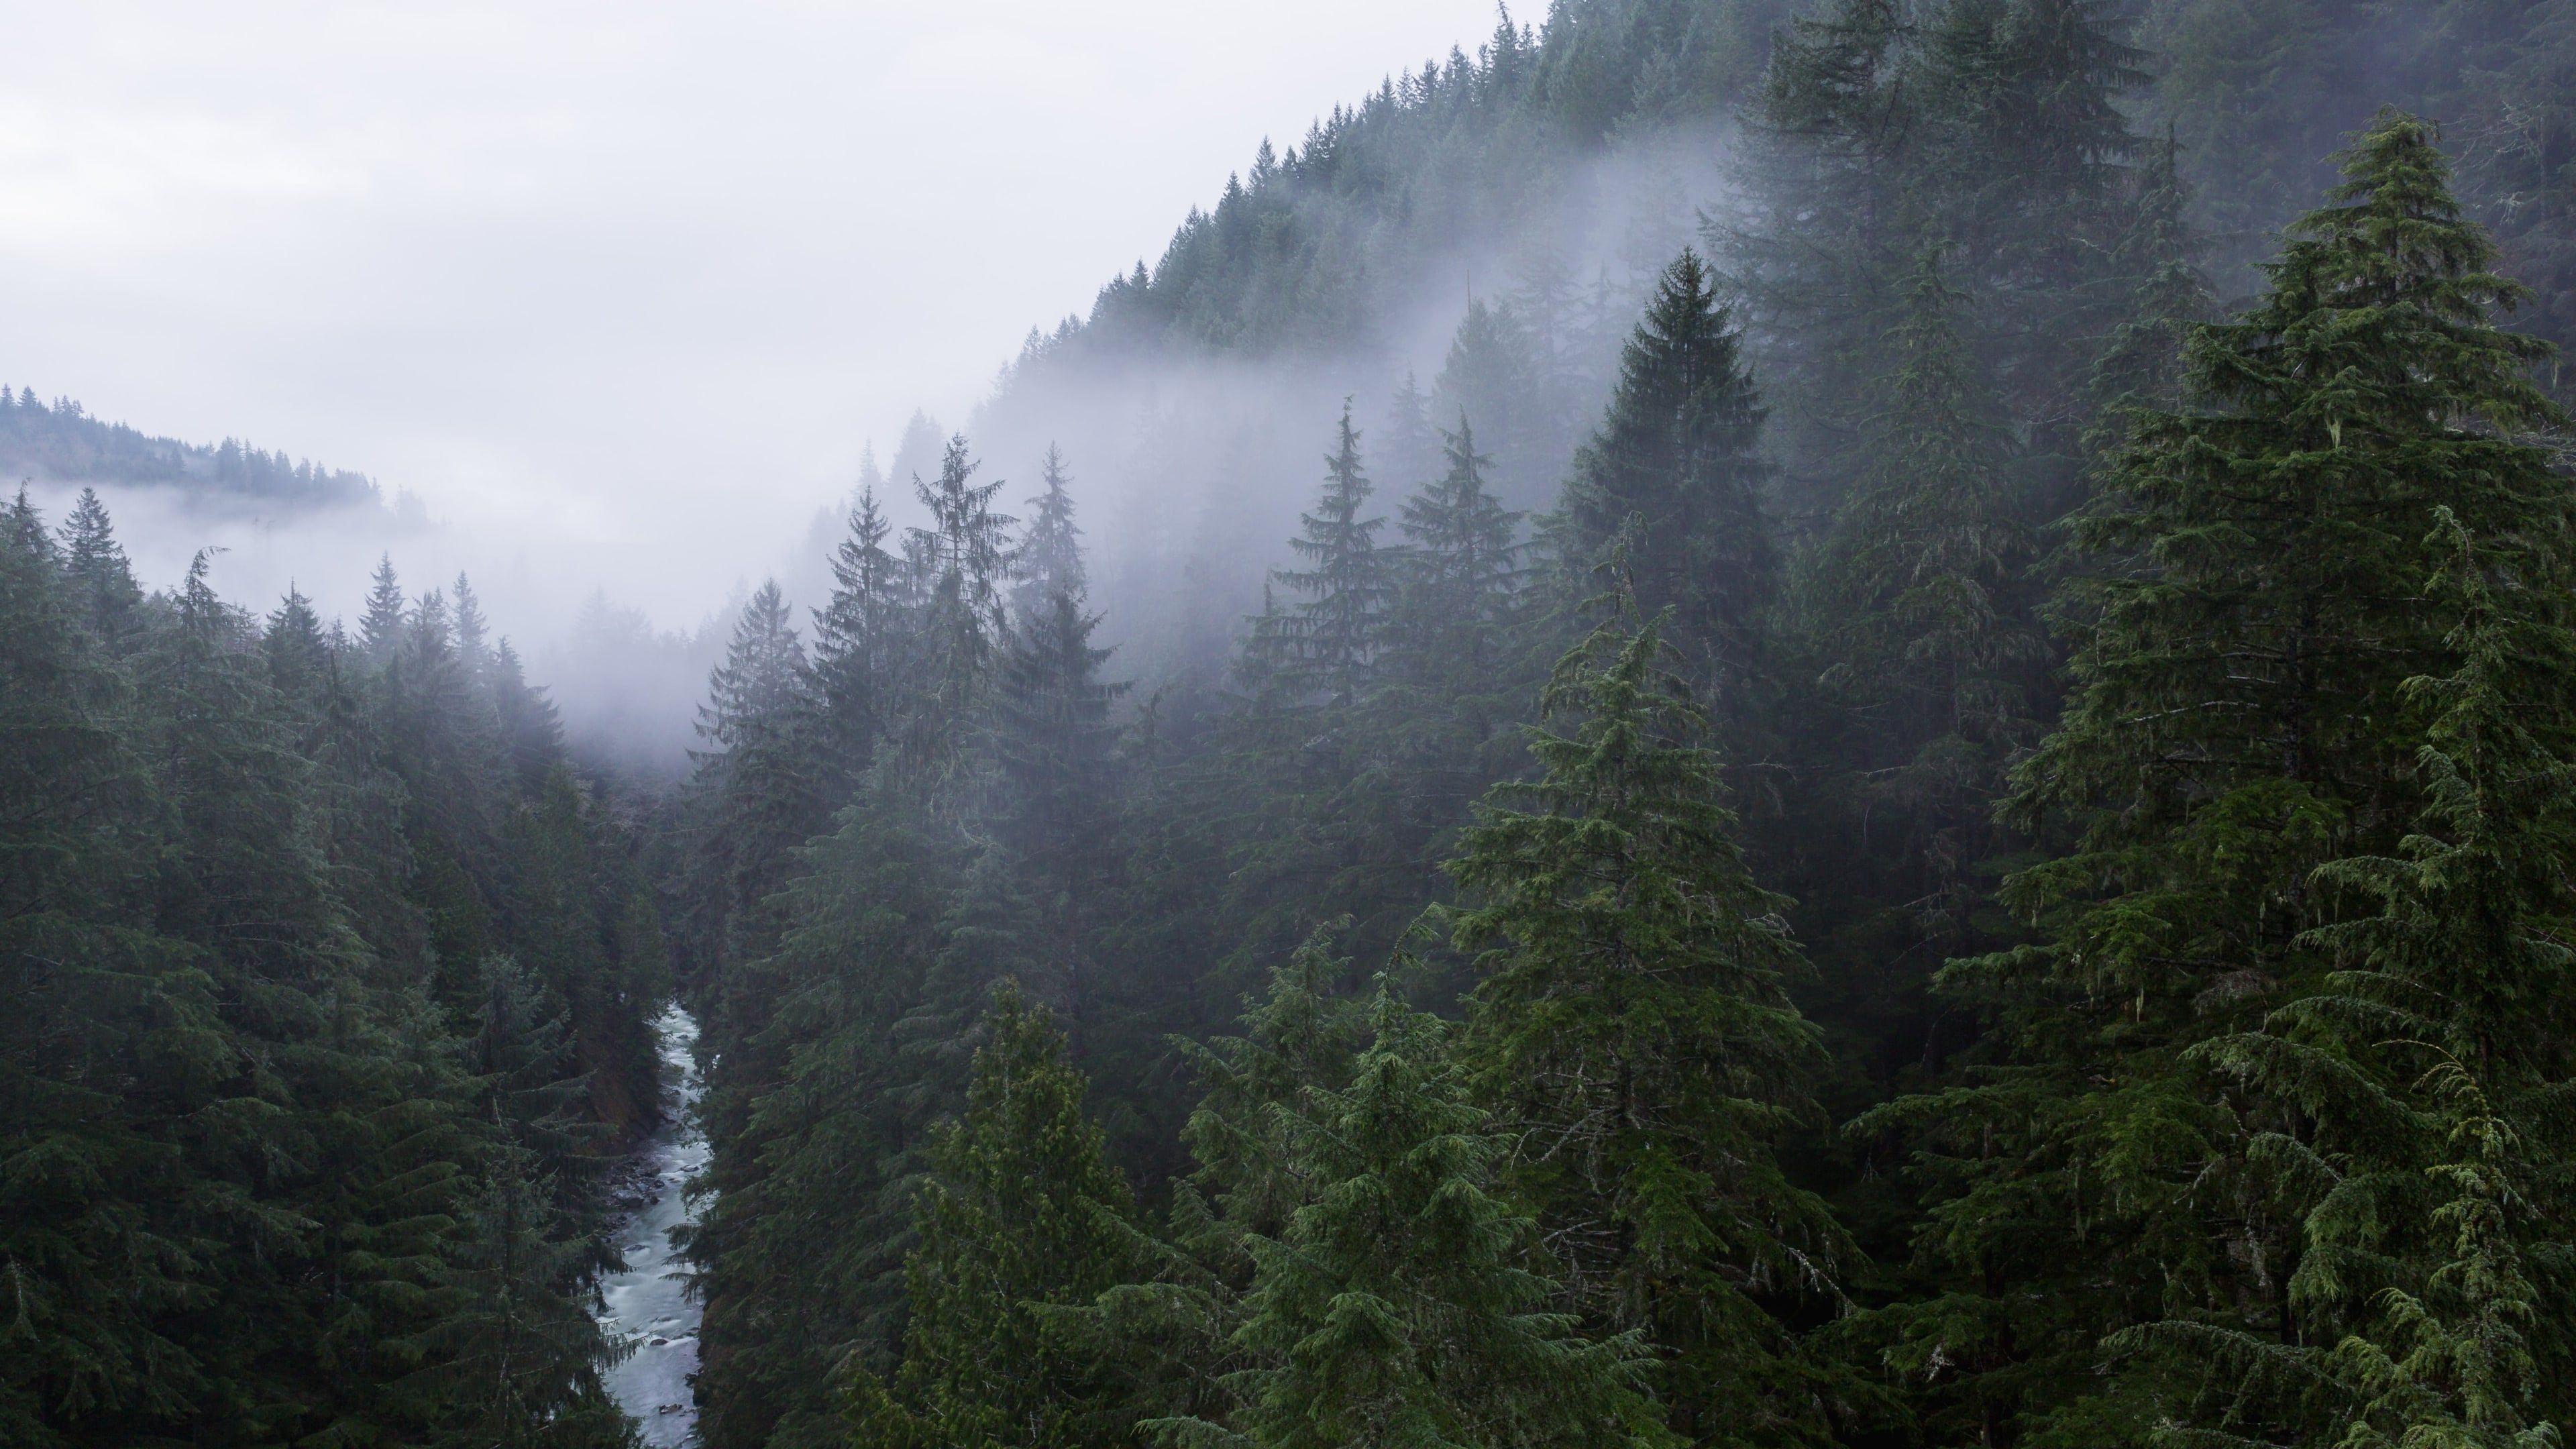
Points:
(63, 443)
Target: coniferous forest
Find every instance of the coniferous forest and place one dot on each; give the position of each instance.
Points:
(1930, 802)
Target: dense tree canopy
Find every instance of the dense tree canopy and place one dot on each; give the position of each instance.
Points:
(1926, 795)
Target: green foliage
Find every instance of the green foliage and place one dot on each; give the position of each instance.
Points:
(2242, 718)
(1632, 1029)
(2238, 1114)
(1021, 1210)
(1672, 481)
(276, 1171)
(1392, 1306)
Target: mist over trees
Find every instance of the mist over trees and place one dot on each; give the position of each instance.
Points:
(330, 981)
(1742, 723)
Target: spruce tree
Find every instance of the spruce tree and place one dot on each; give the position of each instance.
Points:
(2241, 717)
(1411, 451)
(522, 1352)
(1454, 603)
(2140, 365)
(825, 1118)
(1394, 1306)
(859, 644)
(113, 1040)
(1492, 372)
(1048, 560)
(1054, 747)
(299, 654)
(1632, 1030)
(963, 560)
(473, 634)
(1672, 471)
(2419, 1086)
(380, 626)
(756, 791)
(1329, 640)
(95, 566)
(1021, 1212)
(1925, 603)
(26, 526)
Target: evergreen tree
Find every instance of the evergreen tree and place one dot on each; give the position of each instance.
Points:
(1672, 471)
(2424, 1076)
(859, 645)
(1048, 560)
(2141, 364)
(1393, 1306)
(94, 564)
(380, 627)
(522, 1060)
(1021, 1211)
(1411, 453)
(2240, 717)
(757, 791)
(1632, 1030)
(1492, 372)
(1454, 604)
(1328, 641)
(963, 560)
(531, 728)
(825, 1116)
(1924, 596)
(524, 1352)
(299, 654)
(26, 526)
(1054, 746)
(114, 1037)
(473, 634)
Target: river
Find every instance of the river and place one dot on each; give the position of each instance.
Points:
(648, 1298)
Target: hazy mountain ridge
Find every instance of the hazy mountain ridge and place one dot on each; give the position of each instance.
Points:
(64, 444)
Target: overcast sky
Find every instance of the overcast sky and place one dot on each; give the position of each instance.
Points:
(597, 270)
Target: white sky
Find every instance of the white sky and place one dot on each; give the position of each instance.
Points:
(611, 272)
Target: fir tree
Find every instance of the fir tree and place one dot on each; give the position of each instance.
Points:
(859, 645)
(473, 634)
(963, 560)
(380, 627)
(2241, 717)
(1924, 595)
(1453, 608)
(1632, 1029)
(1021, 1211)
(1411, 452)
(1672, 471)
(1054, 746)
(299, 654)
(1394, 1307)
(113, 1038)
(26, 526)
(827, 1115)
(94, 564)
(1048, 560)
(523, 1352)
(2141, 364)
(755, 794)
(1492, 372)
(1329, 640)
(2424, 1074)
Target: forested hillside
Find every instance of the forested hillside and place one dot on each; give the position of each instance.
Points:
(1892, 798)
(63, 444)
(329, 984)
(1748, 723)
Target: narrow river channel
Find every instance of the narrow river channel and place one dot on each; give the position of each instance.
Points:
(648, 1298)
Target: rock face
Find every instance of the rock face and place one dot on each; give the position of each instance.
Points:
(647, 1300)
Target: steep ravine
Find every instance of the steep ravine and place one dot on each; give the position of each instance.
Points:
(648, 1298)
